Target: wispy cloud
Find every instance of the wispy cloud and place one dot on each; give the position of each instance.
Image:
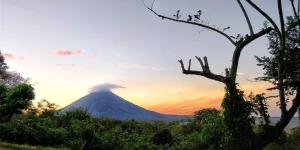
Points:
(104, 87)
(12, 56)
(8, 56)
(67, 52)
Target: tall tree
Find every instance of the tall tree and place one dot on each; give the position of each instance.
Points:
(237, 109)
(15, 94)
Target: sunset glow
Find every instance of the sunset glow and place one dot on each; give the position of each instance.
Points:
(66, 47)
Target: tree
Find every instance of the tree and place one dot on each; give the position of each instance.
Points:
(14, 100)
(162, 137)
(237, 109)
(3, 67)
(9, 78)
(15, 94)
(203, 115)
(43, 108)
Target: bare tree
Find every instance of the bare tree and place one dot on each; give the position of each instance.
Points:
(236, 107)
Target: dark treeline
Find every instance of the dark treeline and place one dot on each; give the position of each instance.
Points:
(76, 129)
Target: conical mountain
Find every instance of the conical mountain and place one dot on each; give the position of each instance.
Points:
(108, 104)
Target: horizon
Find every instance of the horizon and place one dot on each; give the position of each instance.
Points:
(66, 48)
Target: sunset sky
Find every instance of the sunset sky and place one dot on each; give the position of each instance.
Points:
(67, 46)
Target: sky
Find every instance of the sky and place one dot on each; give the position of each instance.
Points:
(66, 47)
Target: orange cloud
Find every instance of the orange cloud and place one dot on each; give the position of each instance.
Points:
(67, 52)
(212, 99)
(187, 107)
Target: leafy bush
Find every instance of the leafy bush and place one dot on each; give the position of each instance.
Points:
(32, 130)
(14, 100)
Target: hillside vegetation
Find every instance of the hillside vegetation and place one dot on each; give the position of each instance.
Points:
(78, 130)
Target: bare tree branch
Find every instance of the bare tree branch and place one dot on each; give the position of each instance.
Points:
(298, 8)
(206, 63)
(195, 23)
(240, 45)
(282, 123)
(190, 61)
(281, 34)
(296, 12)
(265, 15)
(205, 73)
(281, 55)
(246, 17)
(281, 21)
(200, 61)
(294, 8)
(226, 73)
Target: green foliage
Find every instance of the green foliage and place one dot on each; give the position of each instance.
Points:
(260, 107)
(75, 114)
(288, 141)
(32, 130)
(203, 115)
(214, 133)
(14, 100)
(291, 59)
(162, 137)
(238, 119)
(43, 108)
(76, 129)
(235, 105)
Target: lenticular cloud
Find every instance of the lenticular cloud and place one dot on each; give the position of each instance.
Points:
(104, 87)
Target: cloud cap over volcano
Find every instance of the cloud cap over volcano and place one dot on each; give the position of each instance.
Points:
(104, 87)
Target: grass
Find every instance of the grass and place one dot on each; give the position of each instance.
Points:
(26, 147)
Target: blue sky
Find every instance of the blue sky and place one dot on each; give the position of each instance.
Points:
(121, 42)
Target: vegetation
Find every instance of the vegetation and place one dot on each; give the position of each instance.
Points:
(281, 69)
(234, 127)
(78, 130)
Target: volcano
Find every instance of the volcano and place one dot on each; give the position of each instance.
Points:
(108, 104)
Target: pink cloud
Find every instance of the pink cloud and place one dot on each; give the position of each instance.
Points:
(12, 56)
(8, 55)
(67, 52)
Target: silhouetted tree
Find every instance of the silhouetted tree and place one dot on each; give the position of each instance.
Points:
(9, 78)
(3, 67)
(238, 110)
(43, 108)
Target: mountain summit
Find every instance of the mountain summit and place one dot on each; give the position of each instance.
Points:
(108, 104)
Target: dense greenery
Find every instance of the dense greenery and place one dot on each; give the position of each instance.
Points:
(232, 128)
(78, 130)
(14, 100)
(291, 59)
